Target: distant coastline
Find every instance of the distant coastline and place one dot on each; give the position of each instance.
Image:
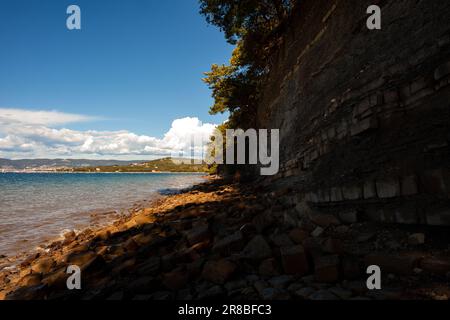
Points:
(164, 165)
(105, 172)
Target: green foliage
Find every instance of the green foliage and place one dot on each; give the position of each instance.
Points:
(254, 26)
(213, 169)
(237, 18)
(160, 165)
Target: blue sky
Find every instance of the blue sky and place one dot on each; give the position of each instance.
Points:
(136, 65)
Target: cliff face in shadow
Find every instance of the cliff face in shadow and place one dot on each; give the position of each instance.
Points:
(364, 114)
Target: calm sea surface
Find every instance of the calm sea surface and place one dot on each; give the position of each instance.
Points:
(35, 208)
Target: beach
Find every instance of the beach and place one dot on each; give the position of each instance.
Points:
(223, 239)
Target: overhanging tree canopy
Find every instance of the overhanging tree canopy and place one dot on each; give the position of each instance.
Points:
(254, 27)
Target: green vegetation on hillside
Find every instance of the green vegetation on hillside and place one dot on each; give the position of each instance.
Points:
(160, 165)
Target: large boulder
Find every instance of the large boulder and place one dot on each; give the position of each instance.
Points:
(199, 233)
(257, 249)
(84, 260)
(263, 221)
(324, 220)
(229, 244)
(269, 267)
(435, 265)
(294, 260)
(394, 263)
(298, 235)
(218, 272)
(327, 269)
(43, 265)
(175, 280)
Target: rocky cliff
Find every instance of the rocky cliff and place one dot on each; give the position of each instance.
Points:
(364, 114)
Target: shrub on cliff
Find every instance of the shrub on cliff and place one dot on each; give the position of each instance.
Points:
(255, 27)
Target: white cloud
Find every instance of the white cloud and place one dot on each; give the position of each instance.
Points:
(46, 118)
(180, 134)
(29, 134)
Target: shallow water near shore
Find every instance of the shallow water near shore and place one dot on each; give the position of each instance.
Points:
(36, 208)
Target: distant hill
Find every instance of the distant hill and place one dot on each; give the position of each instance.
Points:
(55, 163)
(160, 165)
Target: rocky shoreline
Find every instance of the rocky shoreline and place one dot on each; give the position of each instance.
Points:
(225, 240)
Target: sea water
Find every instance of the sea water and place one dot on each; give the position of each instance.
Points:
(38, 207)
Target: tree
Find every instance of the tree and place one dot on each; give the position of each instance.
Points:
(233, 89)
(254, 26)
(236, 18)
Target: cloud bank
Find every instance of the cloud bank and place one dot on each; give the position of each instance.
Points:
(29, 134)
